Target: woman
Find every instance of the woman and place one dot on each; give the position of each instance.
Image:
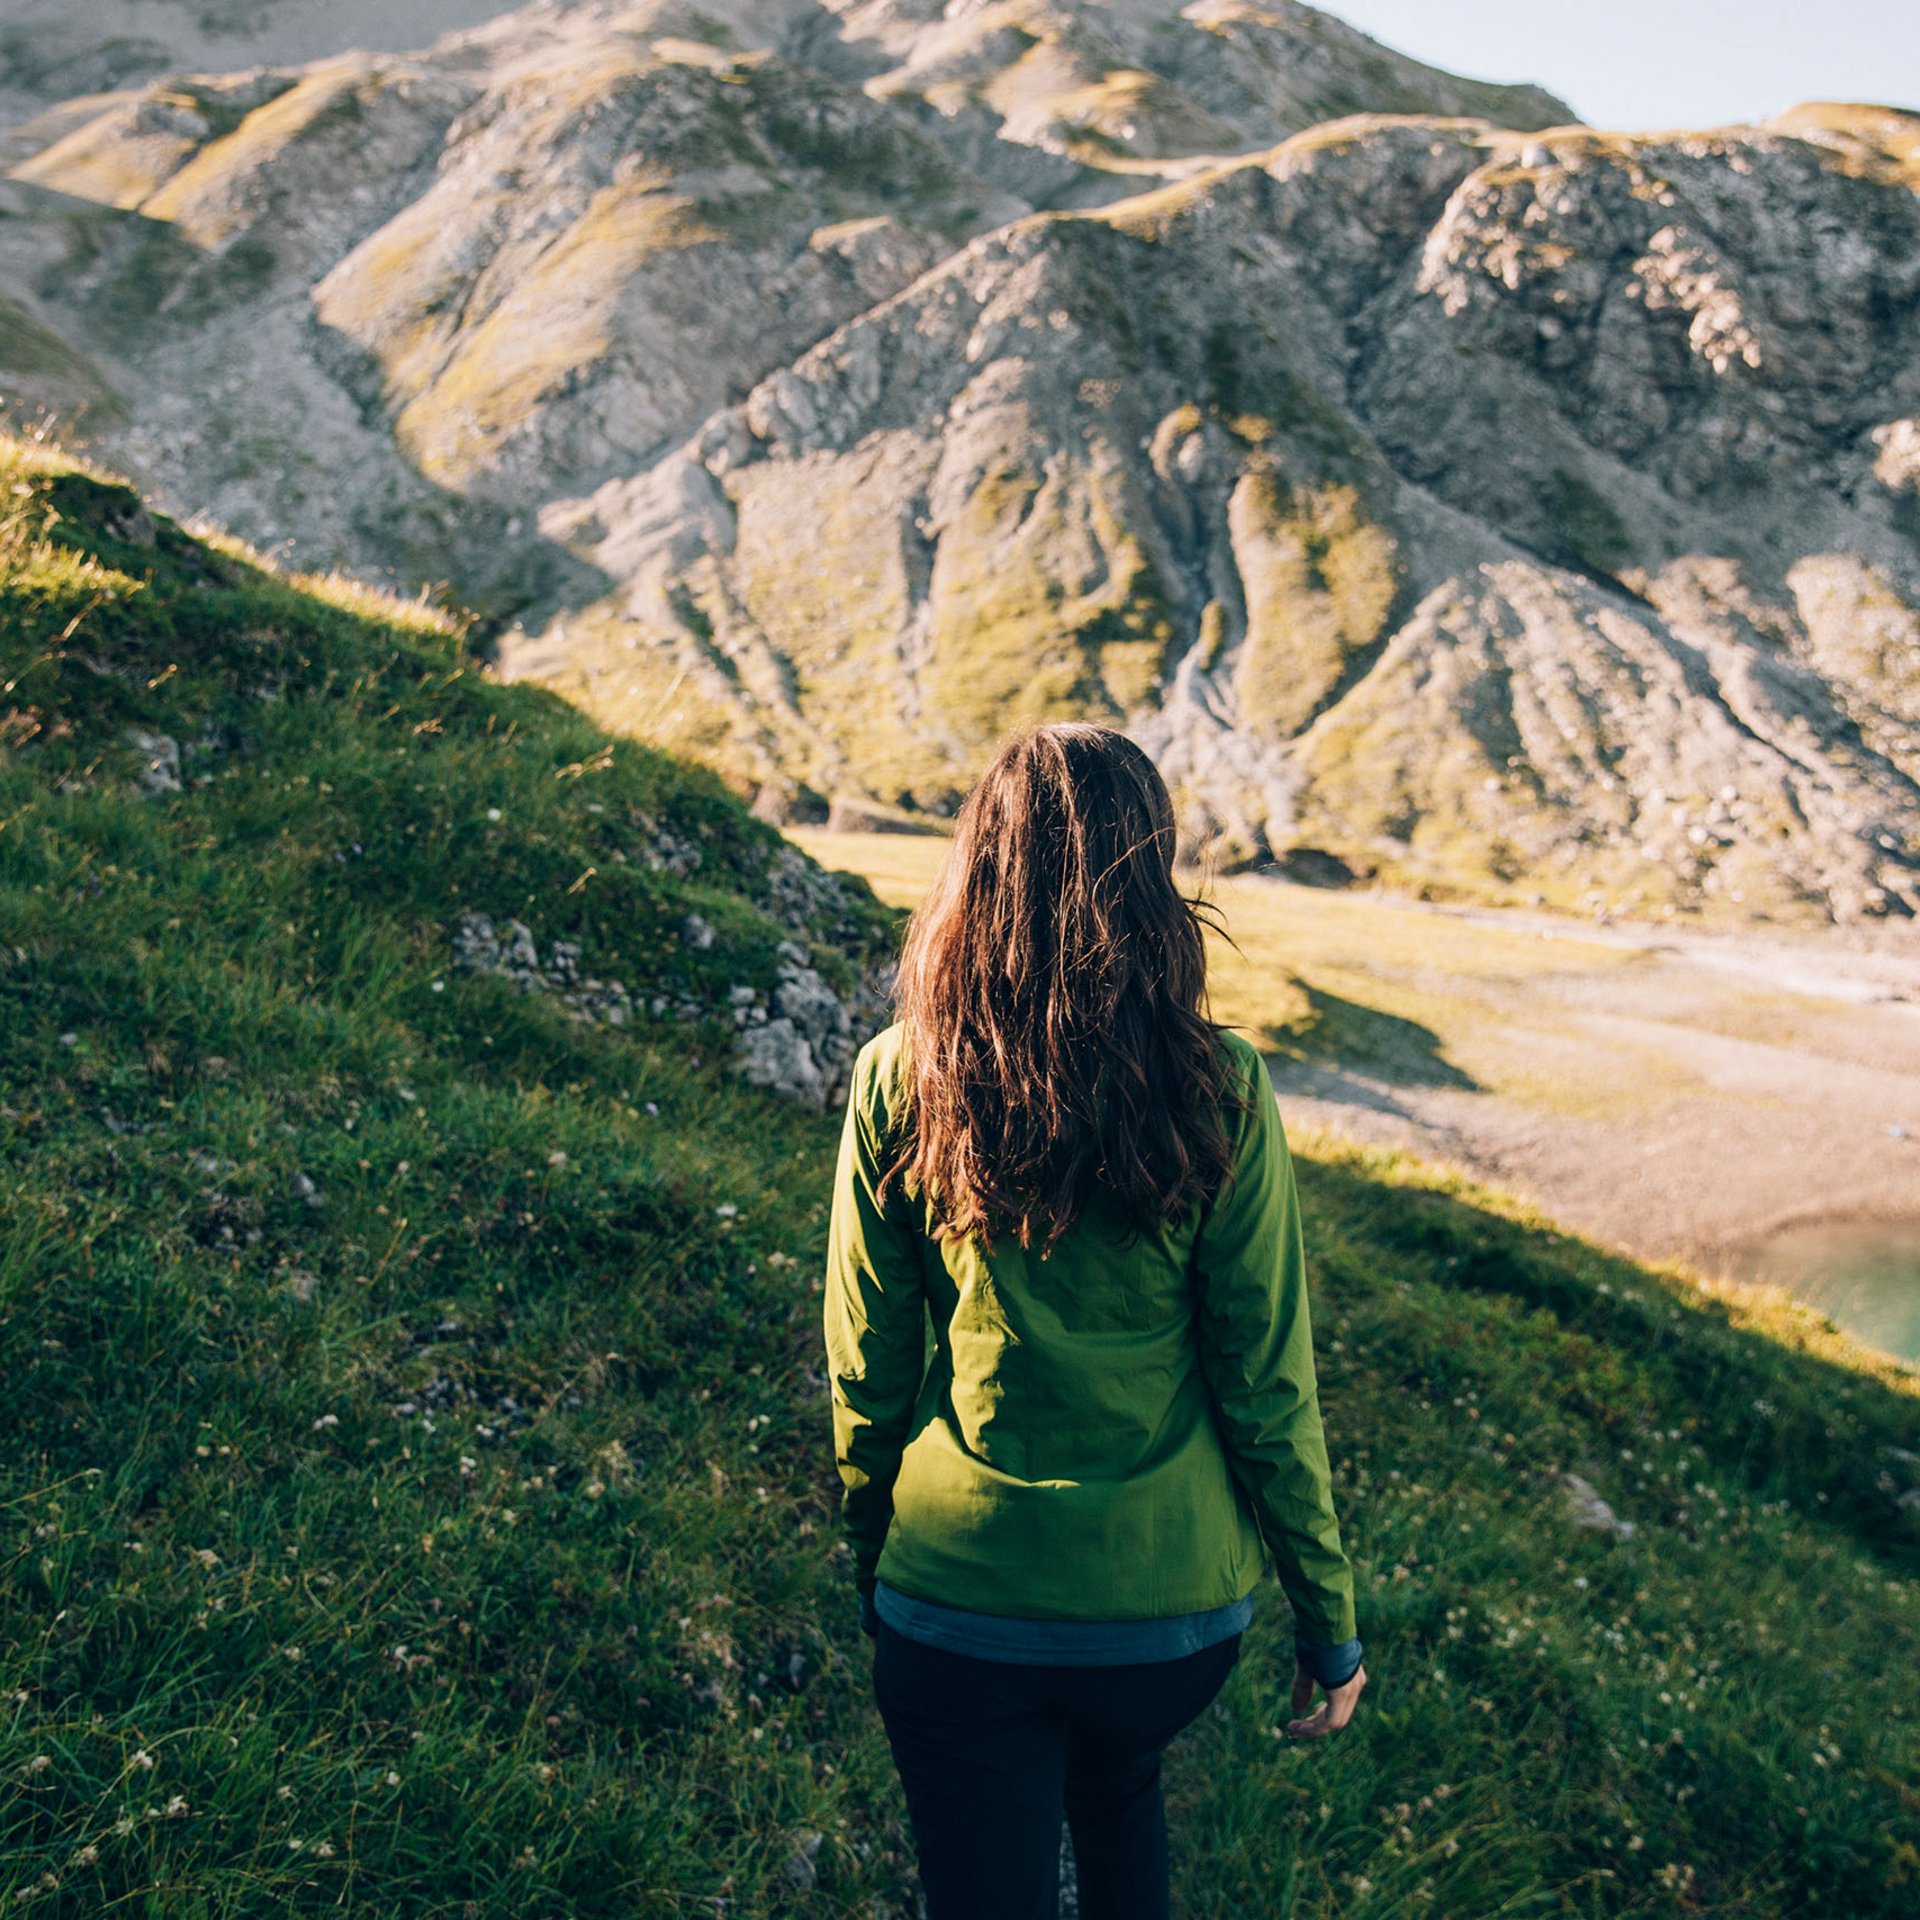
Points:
(1058, 1513)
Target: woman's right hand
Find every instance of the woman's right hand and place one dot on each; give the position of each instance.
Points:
(1334, 1711)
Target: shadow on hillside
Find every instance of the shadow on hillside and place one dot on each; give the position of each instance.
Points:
(1841, 1441)
(1348, 1037)
(135, 285)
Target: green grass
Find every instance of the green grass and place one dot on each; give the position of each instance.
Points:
(457, 1538)
(1322, 579)
(625, 1673)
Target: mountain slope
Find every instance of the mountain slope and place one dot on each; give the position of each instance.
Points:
(387, 304)
(56, 50)
(1462, 505)
(1071, 102)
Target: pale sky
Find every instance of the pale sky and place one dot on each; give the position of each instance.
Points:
(1635, 65)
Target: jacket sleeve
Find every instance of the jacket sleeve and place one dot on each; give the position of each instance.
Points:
(1256, 1351)
(875, 1328)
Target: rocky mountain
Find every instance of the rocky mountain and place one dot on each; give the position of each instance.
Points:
(1446, 501)
(1443, 491)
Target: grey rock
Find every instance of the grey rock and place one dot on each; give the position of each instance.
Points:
(797, 1870)
(801, 1043)
(160, 753)
(1588, 1510)
(776, 1055)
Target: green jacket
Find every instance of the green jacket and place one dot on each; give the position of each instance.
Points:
(1110, 1433)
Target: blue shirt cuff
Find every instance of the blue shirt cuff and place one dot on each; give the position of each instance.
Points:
(1331, 1666)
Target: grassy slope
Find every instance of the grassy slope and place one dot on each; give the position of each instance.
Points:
(462, 1544)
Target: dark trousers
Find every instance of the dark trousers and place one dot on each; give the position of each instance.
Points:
(991, 1755)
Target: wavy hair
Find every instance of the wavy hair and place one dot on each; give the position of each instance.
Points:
(1053, 989)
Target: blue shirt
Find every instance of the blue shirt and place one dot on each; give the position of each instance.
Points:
(1085, 1643)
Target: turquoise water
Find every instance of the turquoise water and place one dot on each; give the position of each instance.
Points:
(1865, 1278)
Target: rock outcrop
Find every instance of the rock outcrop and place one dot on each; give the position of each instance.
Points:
(798, 1040)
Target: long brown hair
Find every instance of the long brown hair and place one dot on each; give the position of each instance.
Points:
(1053, 988)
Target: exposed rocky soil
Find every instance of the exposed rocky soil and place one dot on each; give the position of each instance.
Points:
(1441, 494)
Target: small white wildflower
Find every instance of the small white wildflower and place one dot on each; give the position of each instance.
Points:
(177, 1808)
(556, 1158)
(142, 1761)
(439, 986)
(326, 1420)
(40, 1763)
(727, 1210)
(87, 1856)
(393, 1779)
(494, 813)
(325, 1850)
